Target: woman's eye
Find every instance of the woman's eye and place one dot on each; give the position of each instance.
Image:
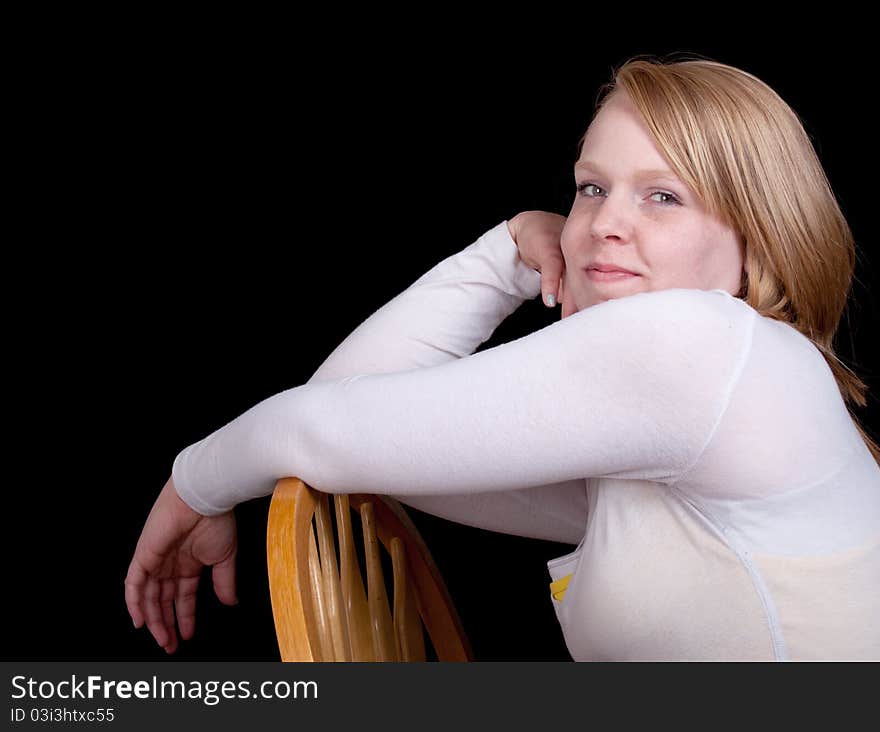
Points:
(581, 187)
(670, 200)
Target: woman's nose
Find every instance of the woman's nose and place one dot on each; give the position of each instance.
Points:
(612, 218)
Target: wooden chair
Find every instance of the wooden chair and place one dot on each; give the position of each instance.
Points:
(323, 613)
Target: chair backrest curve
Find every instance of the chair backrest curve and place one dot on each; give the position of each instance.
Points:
(322, 611)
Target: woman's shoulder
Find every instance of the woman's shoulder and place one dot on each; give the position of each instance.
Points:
(674, 338)
(717, 311)
(676, 313)
(684, 299)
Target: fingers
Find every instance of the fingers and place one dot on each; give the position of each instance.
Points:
(153, 611)
(551, 278)
(166, 602)
(150, 599)
(146, 604)
(163, 578)
(185, 605)
(134, 592)
(145, 598)
(224, 580)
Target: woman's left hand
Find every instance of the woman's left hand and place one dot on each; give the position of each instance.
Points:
(537, 235)
(175, 545)
(538, 238)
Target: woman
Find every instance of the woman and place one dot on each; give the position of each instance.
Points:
(686, 422)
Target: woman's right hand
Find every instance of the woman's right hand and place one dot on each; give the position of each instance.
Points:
(538, 240)
(175, 545)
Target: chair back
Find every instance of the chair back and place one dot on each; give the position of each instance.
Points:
(322, 610)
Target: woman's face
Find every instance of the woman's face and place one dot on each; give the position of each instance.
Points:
(638, 220)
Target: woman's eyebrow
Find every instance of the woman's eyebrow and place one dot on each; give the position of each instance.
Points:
(639, 175)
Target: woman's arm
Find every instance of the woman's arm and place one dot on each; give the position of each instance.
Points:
(630, 388)
(445, 315)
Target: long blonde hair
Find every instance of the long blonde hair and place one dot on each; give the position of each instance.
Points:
(745, 152)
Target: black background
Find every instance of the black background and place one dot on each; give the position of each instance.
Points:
(210, 214)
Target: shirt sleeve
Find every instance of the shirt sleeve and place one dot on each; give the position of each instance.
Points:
(630, 388)
(444, 315)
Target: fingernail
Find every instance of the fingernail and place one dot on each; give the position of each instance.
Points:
(551, 300)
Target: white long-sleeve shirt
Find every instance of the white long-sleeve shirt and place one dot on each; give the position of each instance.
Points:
(700, 455)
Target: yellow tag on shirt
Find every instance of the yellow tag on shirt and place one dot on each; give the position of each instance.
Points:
(558, 587)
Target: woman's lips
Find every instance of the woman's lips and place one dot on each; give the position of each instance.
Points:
(613, 276)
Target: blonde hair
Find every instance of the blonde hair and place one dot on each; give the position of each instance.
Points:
(746, 154)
